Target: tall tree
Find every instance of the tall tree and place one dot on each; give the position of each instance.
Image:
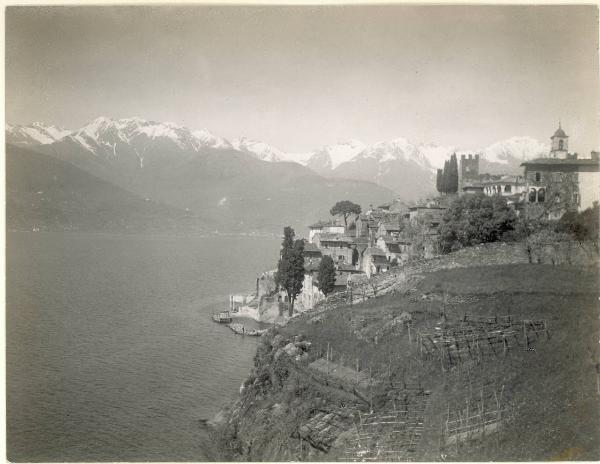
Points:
(345, 208)
(326, 275)
(355, 256)
(438, 180)
(445, 180)
(453, 175)
(290, 269)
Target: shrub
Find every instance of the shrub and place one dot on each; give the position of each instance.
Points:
(474, 219)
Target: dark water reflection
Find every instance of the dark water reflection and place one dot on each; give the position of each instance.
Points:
(110, 351)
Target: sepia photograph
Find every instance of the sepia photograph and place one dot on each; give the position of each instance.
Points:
(281, 232)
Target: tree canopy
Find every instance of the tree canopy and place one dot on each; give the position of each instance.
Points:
(474, 219)
(290, 269)
(583, 226)
(345, 208)
(326, 281)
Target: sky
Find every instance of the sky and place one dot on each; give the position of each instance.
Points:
(299, 77)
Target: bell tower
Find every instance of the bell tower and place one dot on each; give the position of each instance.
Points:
(560, 144)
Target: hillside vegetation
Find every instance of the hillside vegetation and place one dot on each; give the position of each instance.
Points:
(298, 404)
(50, 194)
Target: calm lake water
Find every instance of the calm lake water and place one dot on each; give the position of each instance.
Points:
(110, 351)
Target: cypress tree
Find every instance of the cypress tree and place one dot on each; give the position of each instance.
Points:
(326, 275)
(438, 180)
(453, 175)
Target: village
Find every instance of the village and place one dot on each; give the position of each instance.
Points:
(431, 347)
(387, 236)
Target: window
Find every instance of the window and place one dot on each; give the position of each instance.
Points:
(560, 145)
(538, 176)
(541, 196)
(341, 258)
(576, 198)
(532, 195)
(507, 188)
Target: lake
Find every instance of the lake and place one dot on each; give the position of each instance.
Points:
(111, 354)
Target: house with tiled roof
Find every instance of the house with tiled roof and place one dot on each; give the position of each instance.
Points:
(338, 246)
(374, 261)
(311, 250)
(327, 227)
(391, 228)
(513, 188)
(394, 248)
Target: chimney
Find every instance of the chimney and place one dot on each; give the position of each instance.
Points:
(462, 157)
(470, 156)
(596, 155)
(476, 157)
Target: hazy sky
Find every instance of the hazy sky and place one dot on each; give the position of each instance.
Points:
(301, 77)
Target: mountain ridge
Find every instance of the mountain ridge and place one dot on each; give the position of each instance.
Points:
(406, 168)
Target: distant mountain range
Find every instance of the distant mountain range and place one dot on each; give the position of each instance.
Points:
(193, 173)
(405, 168)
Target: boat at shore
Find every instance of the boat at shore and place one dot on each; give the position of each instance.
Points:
(224, 317)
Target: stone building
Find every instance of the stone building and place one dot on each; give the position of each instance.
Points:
(468, 173)
(321, 227)
(562, 181)
(338, 246)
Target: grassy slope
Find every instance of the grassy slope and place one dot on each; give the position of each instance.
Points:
(551, 391)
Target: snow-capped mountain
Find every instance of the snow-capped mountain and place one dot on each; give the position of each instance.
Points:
(104, 133)
(259, 150)
(33, 134)
(518, 148)
(327, 158)
(398, 164)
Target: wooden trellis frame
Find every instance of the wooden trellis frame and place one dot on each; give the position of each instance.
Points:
(392, 434)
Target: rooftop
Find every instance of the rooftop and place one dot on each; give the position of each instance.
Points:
(321, 224)
(559, 132)
(311, 248)
(561, 162)
(328, 237)
(375, 251)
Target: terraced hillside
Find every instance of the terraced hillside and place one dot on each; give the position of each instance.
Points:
(446, 367)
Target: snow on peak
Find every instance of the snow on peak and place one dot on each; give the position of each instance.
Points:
(399, 149)
(106, 131)
(259, 150)
(334, 155)
(207, 138)
(518, 148)
(37, 133)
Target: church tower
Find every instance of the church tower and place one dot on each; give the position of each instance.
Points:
(560, 144)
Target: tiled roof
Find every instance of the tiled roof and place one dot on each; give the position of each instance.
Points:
(321, 224)
(311, 248)
(561, 162)
(504, 180)
(327, 237)
(375, 251)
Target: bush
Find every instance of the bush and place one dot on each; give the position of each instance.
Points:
(583, 226)
(474, 219)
